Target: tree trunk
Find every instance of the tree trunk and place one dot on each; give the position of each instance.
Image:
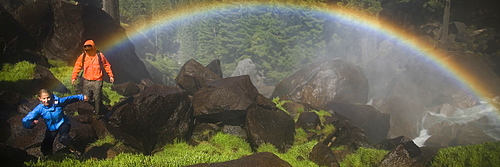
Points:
(112, 8)
(446, 22)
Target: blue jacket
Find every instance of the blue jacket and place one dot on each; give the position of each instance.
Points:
(53, 115)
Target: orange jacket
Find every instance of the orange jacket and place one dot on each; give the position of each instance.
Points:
(92, 68)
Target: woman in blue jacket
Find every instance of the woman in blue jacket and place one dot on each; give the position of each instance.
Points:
(50, 109)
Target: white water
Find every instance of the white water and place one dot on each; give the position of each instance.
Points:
(461, 116)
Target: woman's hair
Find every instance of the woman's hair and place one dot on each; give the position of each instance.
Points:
(44, 91)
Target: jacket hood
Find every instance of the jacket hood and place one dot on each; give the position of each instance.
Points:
(91, 43)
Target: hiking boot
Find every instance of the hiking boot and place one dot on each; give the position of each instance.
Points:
(90, 96)
(76, 153)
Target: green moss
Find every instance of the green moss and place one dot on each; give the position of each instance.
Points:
(106, 140)
(485, 154)
(322, 114)
(110, 96)
(279, 103)
(364, 157)
(298, 155)
(300, 136)
(20, 71)
(63, 72)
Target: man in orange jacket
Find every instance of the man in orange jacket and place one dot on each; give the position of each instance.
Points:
(92, 62)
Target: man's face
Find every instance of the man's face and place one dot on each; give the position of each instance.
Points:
(87, 47)
(45, 99)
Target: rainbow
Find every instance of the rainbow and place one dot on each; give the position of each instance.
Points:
(391, 31)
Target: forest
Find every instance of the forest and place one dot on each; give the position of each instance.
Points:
(281, 39)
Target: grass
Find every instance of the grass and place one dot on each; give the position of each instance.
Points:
(220, 148)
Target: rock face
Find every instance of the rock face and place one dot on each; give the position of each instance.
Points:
(375, 124)
(273, 126)
(397, 157)
(257, 159)
(47, 25)
(324, 82)
(215, 67)
(158, 115)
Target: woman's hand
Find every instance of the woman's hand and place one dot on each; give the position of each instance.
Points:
(33, 124)
(85, 98)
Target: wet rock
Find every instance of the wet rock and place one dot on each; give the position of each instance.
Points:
(10, 156)
(26, 105)
(308, 120)
(26, 139)
(237, 131)
(257, 159)
(193, 76)
(323, 82)
(126, 89)
(323, 156)
(375, 124)
(42, 78)
(459, 135)
(269, 126)
(224, 100)
(82, 133)
(397, 157)
(348, 135)
(31, 139)
(203, 132)
(8, 102)
(214, 66)
(410, 147)
(80, 108)
(158, 115)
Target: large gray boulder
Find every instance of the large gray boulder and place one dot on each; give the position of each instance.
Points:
(323, 82)
(225, 100)
(193, 76)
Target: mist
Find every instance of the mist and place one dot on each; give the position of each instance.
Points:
(423, 97)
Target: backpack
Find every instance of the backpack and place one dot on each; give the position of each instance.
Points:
(105, 76)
